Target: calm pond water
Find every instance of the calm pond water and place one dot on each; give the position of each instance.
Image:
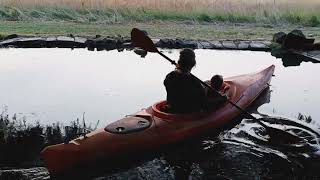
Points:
(50, 85)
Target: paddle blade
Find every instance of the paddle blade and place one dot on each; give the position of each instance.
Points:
(140, 39)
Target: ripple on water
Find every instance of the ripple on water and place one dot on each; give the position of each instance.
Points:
(255, 143)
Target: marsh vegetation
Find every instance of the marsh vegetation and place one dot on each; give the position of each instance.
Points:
(205, 19)
(115, 11)
(21, 142)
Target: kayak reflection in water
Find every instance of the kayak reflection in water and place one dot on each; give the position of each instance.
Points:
(185, 93)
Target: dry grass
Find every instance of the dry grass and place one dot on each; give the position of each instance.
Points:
(217, 6)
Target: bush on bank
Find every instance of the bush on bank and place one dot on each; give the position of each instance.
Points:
(21, 144)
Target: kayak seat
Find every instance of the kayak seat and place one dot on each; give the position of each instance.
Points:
(129, 124)
(166, 108)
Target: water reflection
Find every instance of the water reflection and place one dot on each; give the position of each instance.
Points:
(290, 59)
(264, 98)
(244, 152)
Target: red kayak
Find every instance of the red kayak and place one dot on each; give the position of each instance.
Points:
(152, 128)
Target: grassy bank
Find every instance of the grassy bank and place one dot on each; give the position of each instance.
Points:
(205, 19)
(124, 14)
(216, 31)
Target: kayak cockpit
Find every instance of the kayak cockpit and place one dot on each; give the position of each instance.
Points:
(157, 111)
(159, 108)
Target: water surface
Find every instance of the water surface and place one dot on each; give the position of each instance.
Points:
(50, 85)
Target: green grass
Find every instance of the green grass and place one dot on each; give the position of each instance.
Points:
(219, 31)
(46, 21)
(314, 21)
(102, 16)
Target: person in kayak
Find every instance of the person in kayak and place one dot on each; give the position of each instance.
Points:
(213, 99)
(216, 82)
(184, 92)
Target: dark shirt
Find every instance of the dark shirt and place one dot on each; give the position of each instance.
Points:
(184, 92)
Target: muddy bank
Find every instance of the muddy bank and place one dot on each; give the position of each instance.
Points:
(111, 43)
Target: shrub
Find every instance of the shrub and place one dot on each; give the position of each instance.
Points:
(313, 21)
(204, 17)
(21, 144)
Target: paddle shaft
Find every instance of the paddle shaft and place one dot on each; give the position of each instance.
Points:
(215, 91)
(167, 58)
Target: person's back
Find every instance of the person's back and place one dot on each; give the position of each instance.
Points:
(184, 92)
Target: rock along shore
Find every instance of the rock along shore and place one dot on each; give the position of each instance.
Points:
(100, 43)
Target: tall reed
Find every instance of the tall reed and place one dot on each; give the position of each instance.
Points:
(237, 6)
(105, 11)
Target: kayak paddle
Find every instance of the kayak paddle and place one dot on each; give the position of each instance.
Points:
(140, 39)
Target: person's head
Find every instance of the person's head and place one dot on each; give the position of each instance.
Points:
(216, 82)
(187, 60)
